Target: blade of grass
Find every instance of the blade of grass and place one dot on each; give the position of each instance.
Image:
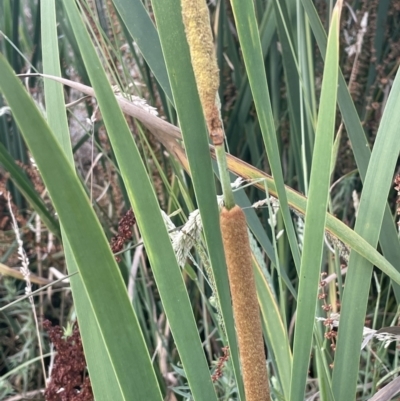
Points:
(98, 269)
(244, 99)
(298, 203)
(377, 184)
(293, 90)
(388, 235)
(142, 29)
(250, 44)
(316, 214)
(167, 133)
(152, 228)
(177, 57)
(99, 363)
(275, 329)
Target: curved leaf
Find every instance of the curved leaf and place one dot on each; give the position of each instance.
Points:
(97, 267)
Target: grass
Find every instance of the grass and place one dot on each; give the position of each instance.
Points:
(278, 73)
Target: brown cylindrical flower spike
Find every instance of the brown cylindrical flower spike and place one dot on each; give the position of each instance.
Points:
(245, 303)
(199, 36)
(233, 222)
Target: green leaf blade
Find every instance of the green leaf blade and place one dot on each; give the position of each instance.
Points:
(99, 364)
(98, 269)
(378, 181)
(152, 227)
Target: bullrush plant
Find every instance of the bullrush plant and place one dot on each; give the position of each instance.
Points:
(232, 219)
(218, 79)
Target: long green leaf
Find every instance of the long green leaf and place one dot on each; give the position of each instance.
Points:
(362, 153)
(298, 203)
(177, 57)
(167, 134)
(252, 52)
(142, 29)
(276, 330)
(244, 99)
(377, 184)
(293, 85)
(316, 215)
(99, 364)
(153, 230)
(97, 267)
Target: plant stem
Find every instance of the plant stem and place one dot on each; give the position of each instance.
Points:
(224, 177)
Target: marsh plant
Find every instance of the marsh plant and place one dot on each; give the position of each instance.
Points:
(202, 197)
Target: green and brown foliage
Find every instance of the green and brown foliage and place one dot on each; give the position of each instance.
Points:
(125, 135)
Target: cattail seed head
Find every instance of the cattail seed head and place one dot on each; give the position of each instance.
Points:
(245, 304)
(199, 36)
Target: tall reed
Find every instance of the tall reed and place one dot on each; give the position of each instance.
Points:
(232, 219)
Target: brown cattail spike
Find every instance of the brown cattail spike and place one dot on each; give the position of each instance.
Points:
(199, 36)
(245, 303)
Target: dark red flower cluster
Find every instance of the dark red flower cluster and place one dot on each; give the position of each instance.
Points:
(220, 365)
(124, 232)
(69, 380)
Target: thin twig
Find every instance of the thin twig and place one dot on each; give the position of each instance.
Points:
(26, 273)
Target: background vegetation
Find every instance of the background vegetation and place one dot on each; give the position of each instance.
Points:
(156, 323)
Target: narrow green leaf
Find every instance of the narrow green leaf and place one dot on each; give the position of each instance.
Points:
(191, 119)
(293, 83)
(377, 184)
(102, 375)
(244, 100)
(250, 44)
(316, 215)
(276, 330)
(388, 235)
(152, 228)
(97, 267)
(141, 27)
(298, 203)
